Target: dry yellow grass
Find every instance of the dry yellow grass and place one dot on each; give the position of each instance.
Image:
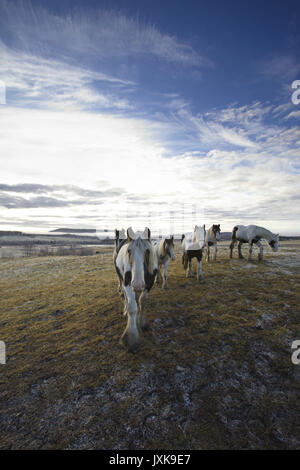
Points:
(214, 369)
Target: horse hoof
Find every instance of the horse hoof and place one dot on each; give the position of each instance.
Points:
(130, 344)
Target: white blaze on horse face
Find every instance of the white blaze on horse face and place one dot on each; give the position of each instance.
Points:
(218, 236)
(172, 254)
(137, 269)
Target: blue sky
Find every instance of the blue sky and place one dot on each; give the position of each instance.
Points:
(149, 113)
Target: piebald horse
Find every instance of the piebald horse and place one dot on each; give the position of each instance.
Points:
(213, 235)
(136, 266)
(164, 250)
(252, 234)
(192, 248)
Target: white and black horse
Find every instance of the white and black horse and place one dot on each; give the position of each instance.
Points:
(164, 250)
(213, 235)
(136, 266)
(252, 234)
(193, 245)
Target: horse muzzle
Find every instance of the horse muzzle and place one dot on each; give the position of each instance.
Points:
(138, 286)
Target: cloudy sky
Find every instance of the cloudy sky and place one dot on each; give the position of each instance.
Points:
(161, 113)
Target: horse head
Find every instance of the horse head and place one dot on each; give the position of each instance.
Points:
(169, 247)
(140, 257)
(217, 232)
(274, 242)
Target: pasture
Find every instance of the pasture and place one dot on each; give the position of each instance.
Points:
(214, 369)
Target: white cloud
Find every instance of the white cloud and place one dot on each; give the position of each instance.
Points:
(240, 184)
(293, 114)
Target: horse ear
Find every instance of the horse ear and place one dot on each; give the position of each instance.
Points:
(219, 225)
(146, 234)
(172, 237)
(182, 237)
(130, 234)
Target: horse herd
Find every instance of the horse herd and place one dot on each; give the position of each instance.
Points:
(138, 261)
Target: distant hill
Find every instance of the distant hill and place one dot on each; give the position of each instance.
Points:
(75, 230)
(9, 233)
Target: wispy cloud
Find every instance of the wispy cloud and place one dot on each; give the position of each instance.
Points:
(283, 68)
(36, 81)
(98, 33)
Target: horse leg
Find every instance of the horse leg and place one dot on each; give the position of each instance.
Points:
(142, 322)
(261, 251)
(165, 283)
(130, 337)
(250, 251)
(199, 270)
(216, 251)
(231, 248)
(207, 253)
(120, 289)
(189, 272)
(240, 250)
(158, 275)
(125, 304)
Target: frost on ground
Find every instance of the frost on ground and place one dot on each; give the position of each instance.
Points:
(214, 369)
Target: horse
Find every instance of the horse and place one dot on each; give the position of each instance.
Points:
(252, 234)
(192, 248)
(136, 266)
(164, 250)
(213, 235)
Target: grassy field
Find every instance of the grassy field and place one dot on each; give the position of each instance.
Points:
(214, 369)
